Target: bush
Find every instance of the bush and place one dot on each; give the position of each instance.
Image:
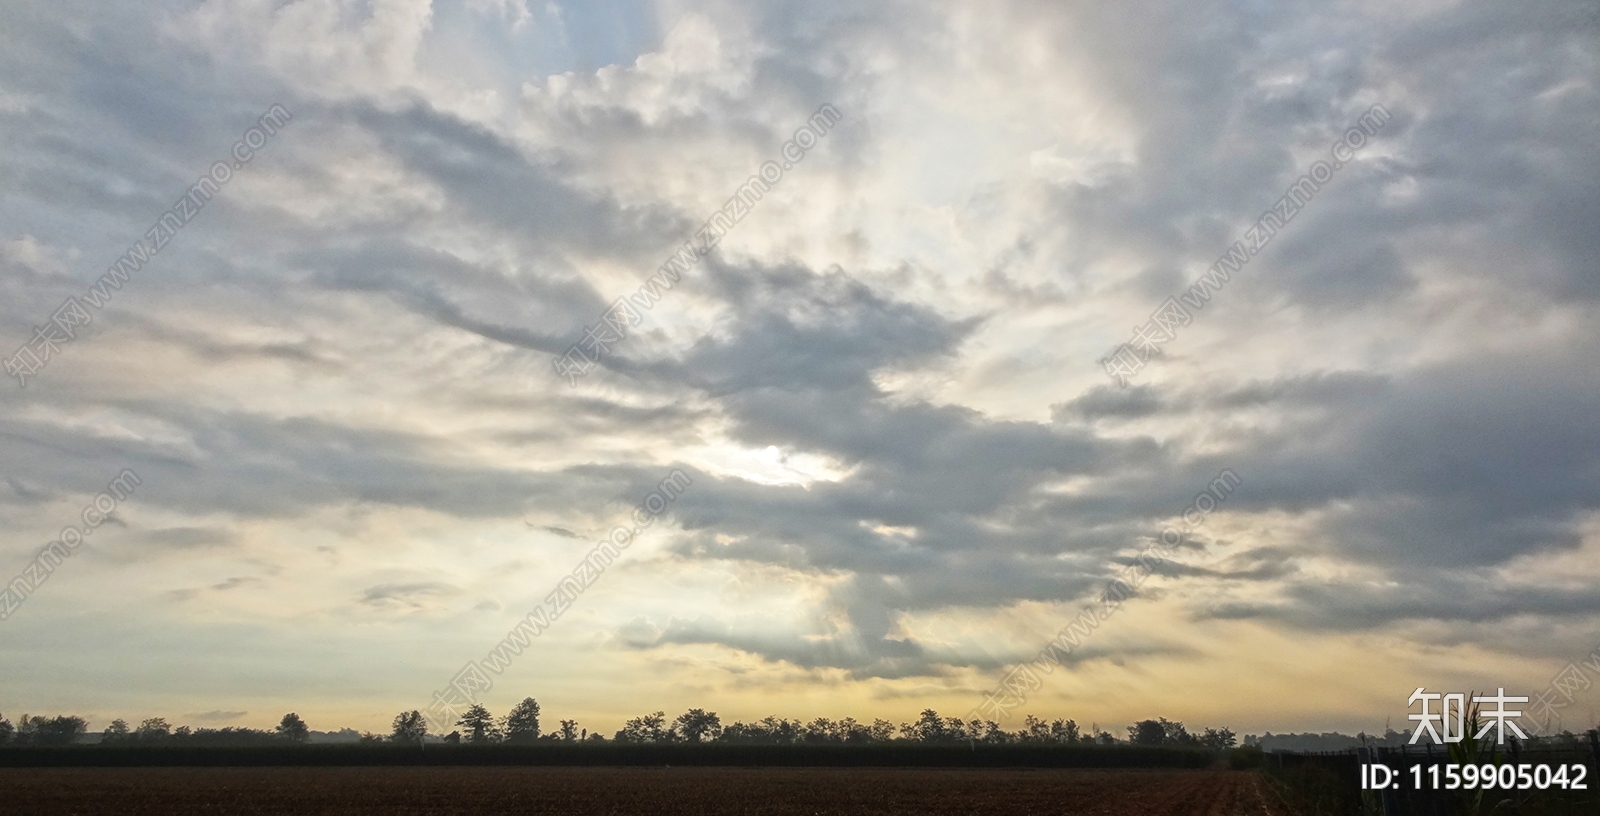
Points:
(1247, 757)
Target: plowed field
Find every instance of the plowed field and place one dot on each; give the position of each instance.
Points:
(632, 791)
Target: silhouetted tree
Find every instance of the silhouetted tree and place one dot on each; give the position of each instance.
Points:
(849, 731)
(1147, 732)
(1064, 730)
(480, 725)
(154, 729)
(771, 730)
(780, 730)
(930, 727)
(1160, 731)
(989, 732)
(26, 729)
(409, 727)
(116, 732)
(741, 732)
(1177, 734)
(820, 729)
(62, 730)
(522, 724)
(1034, 729)
(1059, 731)
(292, 728)
(569, 731)
(697, 725)
(649, 728)
(881, 730)
(453, 738)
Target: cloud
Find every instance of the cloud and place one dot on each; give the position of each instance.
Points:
(419, 595)
(336, 380)
(1109, 401)
(217, 716)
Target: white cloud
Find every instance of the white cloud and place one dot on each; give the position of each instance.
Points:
(336, 380)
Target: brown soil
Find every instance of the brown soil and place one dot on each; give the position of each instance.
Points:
(632, 791)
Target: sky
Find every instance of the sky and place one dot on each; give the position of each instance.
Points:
(907, 465)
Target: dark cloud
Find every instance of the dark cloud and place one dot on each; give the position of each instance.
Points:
(217, 716)
(1110, 401)
(492, 182)
(1470, 463)
(1260, 564)
(790, 327)
(863, 656)
(184, 538)
(1439, 596)
(1333, 389)
(414, 595)
(1407, 449)
(251, 465)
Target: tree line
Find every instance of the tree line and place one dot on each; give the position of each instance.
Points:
(67, 729)
(479, 726)
(521, 725)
